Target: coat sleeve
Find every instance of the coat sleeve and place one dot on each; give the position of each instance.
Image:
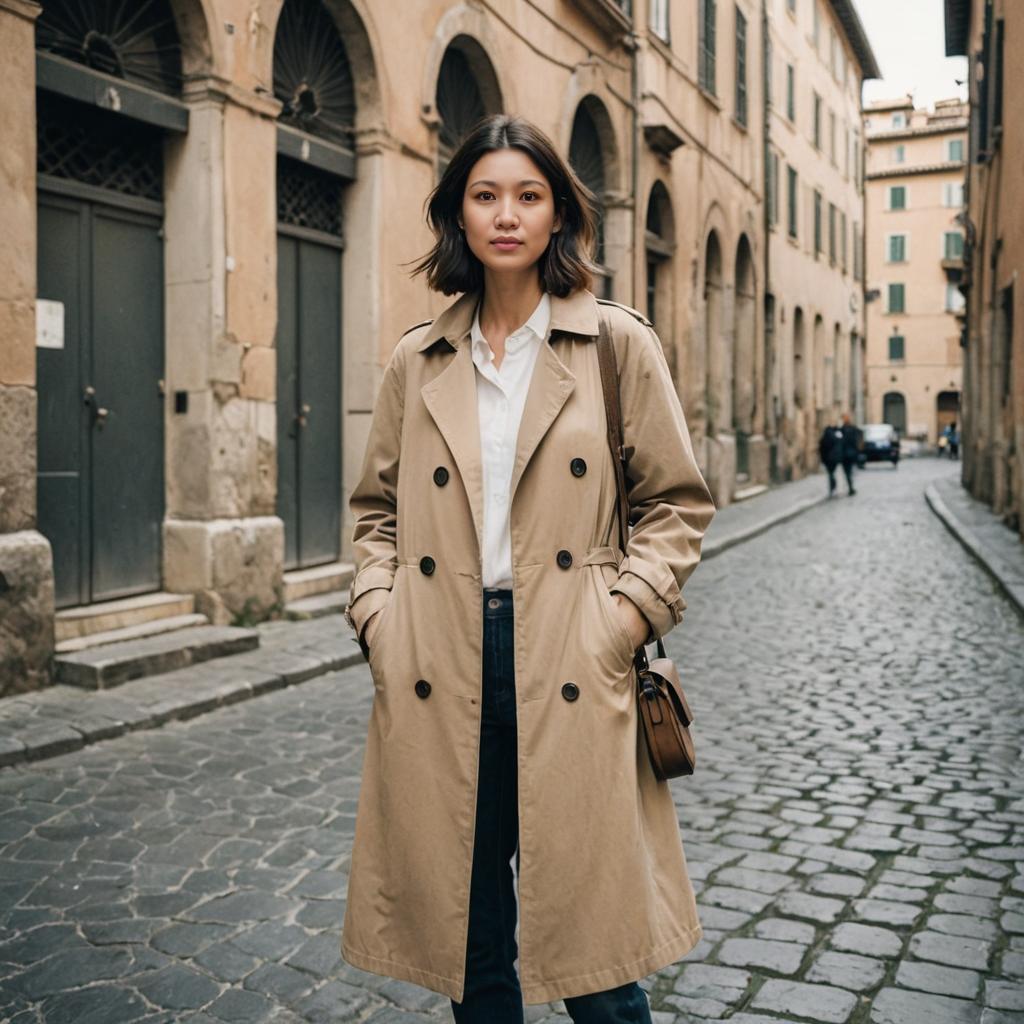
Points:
(670, 504)
(374, 504)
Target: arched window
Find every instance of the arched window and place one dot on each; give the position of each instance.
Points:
(894, 411)
(467, 90)
(312, 74)
(135, 41)
(587, 158)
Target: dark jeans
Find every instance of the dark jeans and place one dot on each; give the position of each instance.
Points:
(830, 468)
(492, 994)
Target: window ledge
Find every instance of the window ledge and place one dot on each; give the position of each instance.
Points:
(710, 97)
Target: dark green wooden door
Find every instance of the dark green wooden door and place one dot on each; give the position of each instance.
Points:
(101, 430)
(309, 397)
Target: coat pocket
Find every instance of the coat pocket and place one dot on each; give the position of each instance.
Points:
(380, 635)
(602, 565)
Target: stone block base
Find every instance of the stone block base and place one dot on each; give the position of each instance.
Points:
(759, 459)
(232, 566)
(721, 462)
(26, 612)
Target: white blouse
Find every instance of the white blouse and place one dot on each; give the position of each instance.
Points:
(501, 395)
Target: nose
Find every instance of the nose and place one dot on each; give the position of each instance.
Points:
(506, 212)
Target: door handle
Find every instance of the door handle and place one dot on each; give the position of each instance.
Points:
(303, 415)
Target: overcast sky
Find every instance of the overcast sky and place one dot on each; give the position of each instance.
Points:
(908, 39)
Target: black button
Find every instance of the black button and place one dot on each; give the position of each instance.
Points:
(422, 688)
(564, 558)
(578, 467)
(570, 691)
(440, 476)
(426, 565)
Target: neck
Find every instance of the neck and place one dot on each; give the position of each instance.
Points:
(509, 299)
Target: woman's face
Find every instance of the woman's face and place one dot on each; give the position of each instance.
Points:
(507, 196)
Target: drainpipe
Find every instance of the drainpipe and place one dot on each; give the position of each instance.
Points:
(770, 420)
(634, 41)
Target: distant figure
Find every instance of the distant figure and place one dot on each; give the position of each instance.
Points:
(850, 436)
(952, 436)
(830, 448)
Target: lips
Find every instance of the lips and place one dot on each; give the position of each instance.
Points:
(506, 243)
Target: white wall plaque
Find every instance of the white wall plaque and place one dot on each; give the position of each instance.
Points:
(49, 323)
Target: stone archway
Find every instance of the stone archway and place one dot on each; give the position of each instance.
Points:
(713, 340)
(591, 128)
(659, 249)
(466, 91)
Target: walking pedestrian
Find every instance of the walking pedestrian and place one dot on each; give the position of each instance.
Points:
(954, 442)
(830, 450)
(500, 619)
(848, 453)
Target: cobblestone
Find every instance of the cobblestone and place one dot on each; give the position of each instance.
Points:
(855, 829)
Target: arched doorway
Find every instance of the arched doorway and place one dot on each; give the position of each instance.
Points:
(587, 157)
(894, 411)
(821, 364)
(947, 410)
(800, 368)
(314, 81)
(836, 396)
(713, 342)
(659, 246)
(100, 375)
(467, 90)
(743, 353)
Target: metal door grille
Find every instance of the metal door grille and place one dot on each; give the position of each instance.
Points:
(83, 144)
(308, 197)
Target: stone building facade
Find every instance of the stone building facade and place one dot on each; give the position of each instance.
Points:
(214, 212)
(915, 173)
(989, 33)
(817, 56)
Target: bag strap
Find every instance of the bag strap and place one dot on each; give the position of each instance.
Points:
(620, 453)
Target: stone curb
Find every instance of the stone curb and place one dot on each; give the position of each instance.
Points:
(998, 568)
(114, 712)
(109, 713)
(715, 546)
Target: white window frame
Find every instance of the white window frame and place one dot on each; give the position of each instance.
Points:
(905, 235)
(906, 198)
(950, 143)
(899, 120)
(899, 153)
(658, 19)
(946, 195)
(958, 303)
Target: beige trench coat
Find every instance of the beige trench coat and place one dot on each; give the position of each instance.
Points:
(604, 894)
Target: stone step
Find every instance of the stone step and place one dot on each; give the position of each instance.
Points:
(317, 605)
(320, 579)
(103, 616)
(752, 491)
(99, 668)
(154, 627)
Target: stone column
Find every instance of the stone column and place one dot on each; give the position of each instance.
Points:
(223, 541)
(26, 559)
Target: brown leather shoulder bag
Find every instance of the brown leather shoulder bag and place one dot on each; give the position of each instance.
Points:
(663, 710)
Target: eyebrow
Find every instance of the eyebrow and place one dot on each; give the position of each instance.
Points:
(525, 181)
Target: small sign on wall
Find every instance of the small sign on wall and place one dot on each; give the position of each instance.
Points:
(49, 323)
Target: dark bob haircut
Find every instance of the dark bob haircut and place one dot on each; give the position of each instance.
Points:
(566, 263)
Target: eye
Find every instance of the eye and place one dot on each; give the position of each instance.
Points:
(531, 194)
(480, 195)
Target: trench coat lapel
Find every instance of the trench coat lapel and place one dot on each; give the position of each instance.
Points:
(451, 400)
(451, 396)
(550, 387)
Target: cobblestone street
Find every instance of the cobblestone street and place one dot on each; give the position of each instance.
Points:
(855, 828)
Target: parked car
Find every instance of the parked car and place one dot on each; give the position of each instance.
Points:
(881, 443)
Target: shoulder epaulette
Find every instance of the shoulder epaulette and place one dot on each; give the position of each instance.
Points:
(414, 326)
(635, 313)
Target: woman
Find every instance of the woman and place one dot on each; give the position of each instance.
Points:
(500, 618)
